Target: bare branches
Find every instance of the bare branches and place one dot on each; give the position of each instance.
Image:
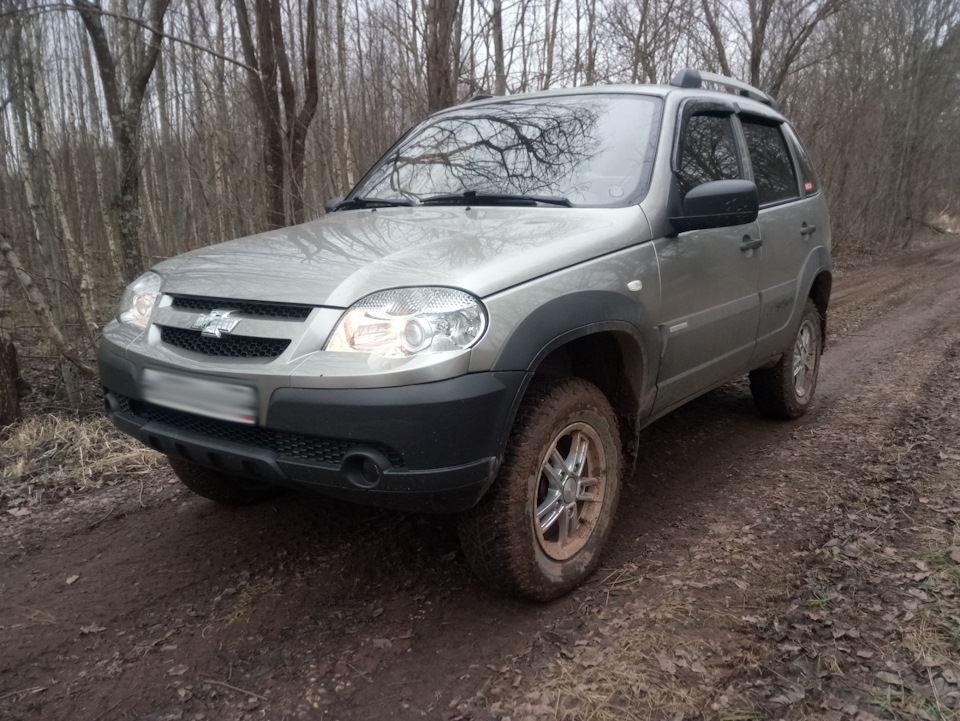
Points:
(275, 99)
(125, 121)
(139, 22)
(710, 17)
(41, 309)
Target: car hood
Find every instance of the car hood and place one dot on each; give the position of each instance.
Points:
(339, 259)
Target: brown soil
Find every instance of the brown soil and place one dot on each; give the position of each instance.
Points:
(808, 569)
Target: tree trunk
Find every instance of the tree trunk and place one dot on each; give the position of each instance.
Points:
(499, 72)
(98, 176)
(77, 271)
(125, 122)
(9, 391)
(274, 96)
(40, 307)
(710, 17)
(590, 73)
(441, 81)
(550, 41)
(347, 170)
(12, 386)
(298, 122)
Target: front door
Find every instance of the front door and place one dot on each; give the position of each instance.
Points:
(710, 303)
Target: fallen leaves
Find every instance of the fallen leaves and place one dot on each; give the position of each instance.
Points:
(892, 679)
(666, 663)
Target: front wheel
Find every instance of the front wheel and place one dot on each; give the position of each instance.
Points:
(786, 390)
(540, 530)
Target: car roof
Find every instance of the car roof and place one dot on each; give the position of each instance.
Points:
(740, 102)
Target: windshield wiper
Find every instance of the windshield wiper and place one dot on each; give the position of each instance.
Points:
(474, 197)
(360, 202)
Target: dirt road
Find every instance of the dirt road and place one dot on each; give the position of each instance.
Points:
(757, 570)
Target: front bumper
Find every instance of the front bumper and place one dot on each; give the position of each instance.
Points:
(431, 447)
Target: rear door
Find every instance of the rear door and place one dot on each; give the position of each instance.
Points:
(791, 217)
(709, 278)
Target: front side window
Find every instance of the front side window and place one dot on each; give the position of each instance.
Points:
(593, 150)
(770, 158)
(707, 152)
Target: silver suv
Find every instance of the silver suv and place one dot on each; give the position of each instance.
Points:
(486, 322)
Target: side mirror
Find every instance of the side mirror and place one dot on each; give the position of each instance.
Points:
(718, 204)
(333, 203)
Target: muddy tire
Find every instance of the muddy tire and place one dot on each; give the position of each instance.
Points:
(786, 390)
(540, 530)
(219, 487)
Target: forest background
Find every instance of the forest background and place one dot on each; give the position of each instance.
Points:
(133, 130)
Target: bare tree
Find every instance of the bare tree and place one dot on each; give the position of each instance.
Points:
(773, 33)
(441, 19)
(710, 13)
(9, 375)
(124, 109)
(275, 98)
(12, 386)
(500, 73)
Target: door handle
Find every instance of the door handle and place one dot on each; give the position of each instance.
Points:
(749, 243)
(807, 229)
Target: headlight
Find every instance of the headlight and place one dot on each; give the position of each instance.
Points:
(138, 300)
(407, 321)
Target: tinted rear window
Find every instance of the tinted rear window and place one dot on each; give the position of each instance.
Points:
(770, 157)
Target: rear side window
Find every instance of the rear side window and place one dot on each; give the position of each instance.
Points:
(770, 157)
(808, 176)
(707, 152)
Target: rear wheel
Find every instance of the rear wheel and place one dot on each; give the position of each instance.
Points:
(786, 390)
(540, 530)
(219, 487)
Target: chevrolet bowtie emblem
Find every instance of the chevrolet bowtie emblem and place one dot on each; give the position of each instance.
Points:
(215, 323)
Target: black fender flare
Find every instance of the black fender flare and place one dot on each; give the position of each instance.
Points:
(817, 283)
(577, 315)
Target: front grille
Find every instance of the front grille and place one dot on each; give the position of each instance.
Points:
(227, 346)
(285, 444)
(246, 307)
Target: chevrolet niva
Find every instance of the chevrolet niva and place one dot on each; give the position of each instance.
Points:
(486, 322)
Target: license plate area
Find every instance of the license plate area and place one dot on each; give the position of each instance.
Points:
(204, 396)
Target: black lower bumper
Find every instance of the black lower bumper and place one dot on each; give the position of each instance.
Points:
(433, 447)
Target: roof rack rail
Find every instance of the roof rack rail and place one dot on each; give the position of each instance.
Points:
(690, 78)
(475, 98)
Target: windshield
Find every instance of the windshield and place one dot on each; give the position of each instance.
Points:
(594, 150)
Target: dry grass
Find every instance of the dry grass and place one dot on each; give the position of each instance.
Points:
(51, 455)
(635, 678)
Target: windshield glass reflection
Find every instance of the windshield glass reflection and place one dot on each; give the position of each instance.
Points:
(595, 150)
